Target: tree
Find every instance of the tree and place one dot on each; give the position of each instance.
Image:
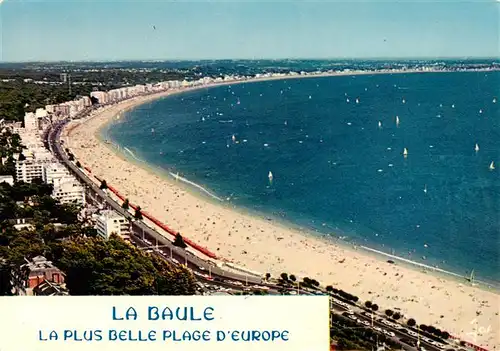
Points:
(71, 157)
(329, 288)
(125, 204)
(284, 277)
(375, 307)
(368, 304)
(98, 267)
(293, 278)
(388, 313)
(138, 213)
(445, 335)
(78, 164)
(179, 241)
(396, 315)
(411, 322)
(103, 185)
(268, 276)
(21, 157)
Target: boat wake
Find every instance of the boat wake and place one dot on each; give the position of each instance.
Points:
(131, 153)
(228, 121)
(184, 180)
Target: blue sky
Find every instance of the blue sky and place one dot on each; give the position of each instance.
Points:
(123, 30)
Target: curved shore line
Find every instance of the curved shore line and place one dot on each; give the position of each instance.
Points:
(424, 289)
(289, 224)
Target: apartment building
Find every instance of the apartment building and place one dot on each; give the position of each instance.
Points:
(69, 190)
(109, 221)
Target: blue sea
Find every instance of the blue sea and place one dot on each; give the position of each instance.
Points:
(335, 170)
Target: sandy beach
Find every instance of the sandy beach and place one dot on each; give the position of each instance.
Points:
(265, 246)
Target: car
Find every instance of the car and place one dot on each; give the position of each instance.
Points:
(388, 332)
(378, 329)
(354, 318)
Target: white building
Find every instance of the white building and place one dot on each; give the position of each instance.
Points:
(101, 96)
(7, 179)
(30, 121)
(28, 170)
(109, 222)
(69, 190)
(54, 173)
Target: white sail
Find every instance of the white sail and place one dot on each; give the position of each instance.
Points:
(233, 138)
(379, 124)
(404, 101)
(494, 100)
(476, 148)
(397, 120)
(492, 165)
(425, 188)
(270, 176)
(357, 101)
(405, 152)
(347, 100)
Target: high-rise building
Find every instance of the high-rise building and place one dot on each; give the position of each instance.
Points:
(109, 222)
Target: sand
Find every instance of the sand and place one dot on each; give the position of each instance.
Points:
(261, 245)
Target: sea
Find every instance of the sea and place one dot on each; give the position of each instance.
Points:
(335, 147)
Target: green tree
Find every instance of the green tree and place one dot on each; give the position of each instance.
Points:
(411, 322)
(125, 204)
(78, 164)
(179, 241)
(368, 304)
(293, 278)
(138, 213)
(284, 277)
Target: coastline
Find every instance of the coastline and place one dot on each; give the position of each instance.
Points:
(270, 246)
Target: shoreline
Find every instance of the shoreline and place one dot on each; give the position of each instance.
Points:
(365, 266)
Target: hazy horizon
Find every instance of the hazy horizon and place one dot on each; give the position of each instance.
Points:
(48, 31)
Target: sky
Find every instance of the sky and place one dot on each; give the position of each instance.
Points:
(69, 30)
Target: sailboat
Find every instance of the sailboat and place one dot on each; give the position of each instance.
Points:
(233, 138)
(347, 100)
(152, 130)
(494, 100)
(357, 100)
(405, 152)
(476, 148)
(397, 120)
(404, 101)
(425, 188)
(270, 176)
(492, 166)
(379, 124)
